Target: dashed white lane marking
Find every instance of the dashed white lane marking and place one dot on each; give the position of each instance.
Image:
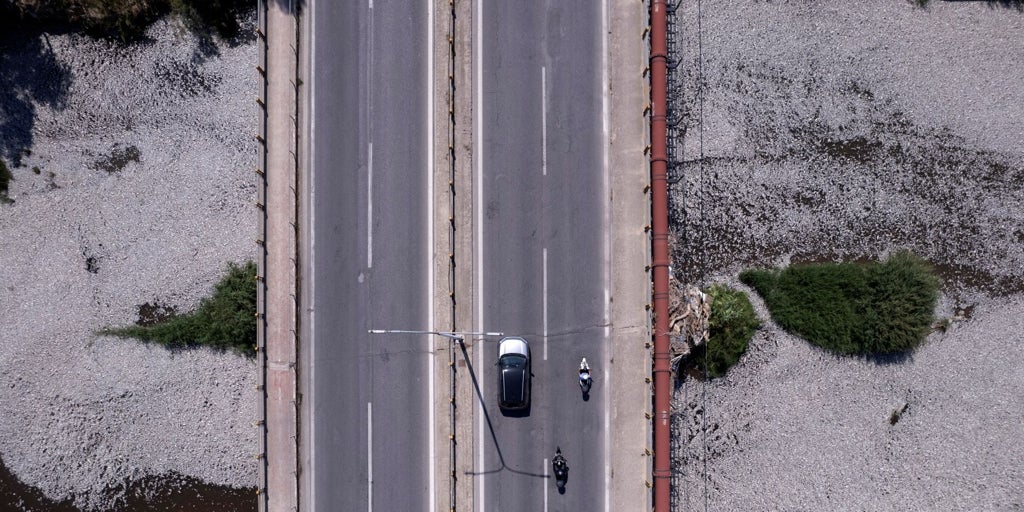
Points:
(544, 482)
(543, 121)
(369, 206)
(545, 302)
(369, 456)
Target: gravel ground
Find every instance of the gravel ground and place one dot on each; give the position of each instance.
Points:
(843, 131)
(144, 192)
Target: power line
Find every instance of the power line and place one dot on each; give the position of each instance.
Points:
(703, 237)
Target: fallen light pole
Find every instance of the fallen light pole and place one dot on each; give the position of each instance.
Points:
(456, 336)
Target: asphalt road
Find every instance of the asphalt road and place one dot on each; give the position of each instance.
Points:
(365, 419)
(543, 264)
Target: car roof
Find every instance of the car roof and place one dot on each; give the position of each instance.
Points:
(513, 384)
(513, 345)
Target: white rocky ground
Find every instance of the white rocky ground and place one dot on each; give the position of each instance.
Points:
(844, 130)
(82, 412)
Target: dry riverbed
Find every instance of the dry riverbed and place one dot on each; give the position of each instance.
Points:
(133, 184)
(843, 131)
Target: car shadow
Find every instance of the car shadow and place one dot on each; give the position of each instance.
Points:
(516, 413)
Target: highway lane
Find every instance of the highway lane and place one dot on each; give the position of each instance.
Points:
(543, 261)
(365, 420)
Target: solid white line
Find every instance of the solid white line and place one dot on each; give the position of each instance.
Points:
(607, 247)
(369, 456)
(605, 131)
(543, 122)
(478, 150)
(311, 370)
(369, 206)
(606, 391)
(545, 480)
(432, 448)
(545, 302)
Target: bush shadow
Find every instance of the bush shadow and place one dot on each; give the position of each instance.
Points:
(890, 359)
(1017, 5)
(230, 22)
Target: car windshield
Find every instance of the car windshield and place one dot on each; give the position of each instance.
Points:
(511, 361)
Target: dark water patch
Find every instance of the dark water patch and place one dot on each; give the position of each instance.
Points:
(170, 492)
(809, 258)
(16, 496)
(693, 262)
(152, 313)
(118, 159)
(839, 172)
(859, 89)
(955, 277)
(1017, 5)
(959, 276)
(690, 369)
(187, 78)
(181, 494)
(963, 312)
(856, 149)
(810, 197)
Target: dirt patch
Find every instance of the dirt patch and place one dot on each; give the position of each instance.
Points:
(118, 159)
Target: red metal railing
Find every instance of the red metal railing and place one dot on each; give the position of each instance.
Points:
(660, 257)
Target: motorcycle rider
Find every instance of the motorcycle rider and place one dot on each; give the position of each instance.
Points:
(560, 465)
(584, 373)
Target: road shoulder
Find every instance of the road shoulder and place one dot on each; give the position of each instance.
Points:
(630, 396)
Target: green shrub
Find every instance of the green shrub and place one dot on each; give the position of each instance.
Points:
(853, 308)
(731, 326)
(226, 320)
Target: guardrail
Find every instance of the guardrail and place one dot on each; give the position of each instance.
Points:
(261, 261)
(674, 132)
(277, 353)
(452, 407)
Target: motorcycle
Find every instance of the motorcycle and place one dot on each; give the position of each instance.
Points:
(561, 468)
(585, 379)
